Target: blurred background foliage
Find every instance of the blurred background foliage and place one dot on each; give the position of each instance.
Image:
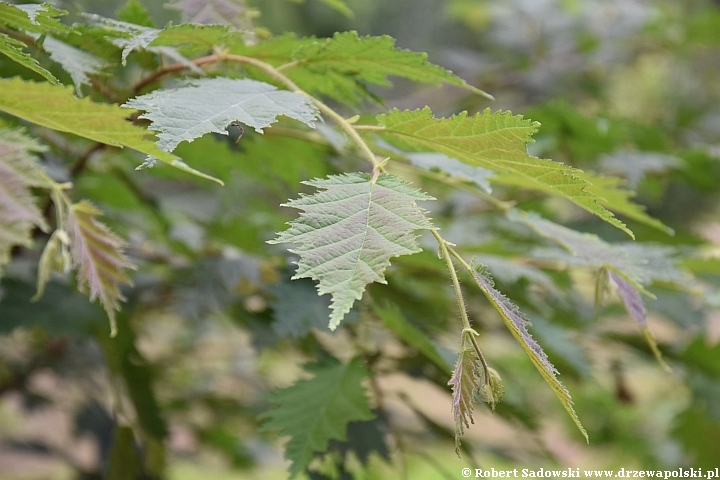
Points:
(628, 88)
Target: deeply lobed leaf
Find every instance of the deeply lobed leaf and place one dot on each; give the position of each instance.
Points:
(348, 232)
(209, 105)
(313, 412)
(497, 142)
(98, 253)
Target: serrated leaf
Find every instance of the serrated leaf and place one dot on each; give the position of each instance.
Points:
(618, 200)
(313, 412)
(465, 381)
(495, 141)
(13, 49)
(130, 37)
(98, 253)
(127, 36)
(77, 63)
(393, 319)
(517, 324)
(32, 18)
(350, 230)
(336, 64)
(209, 105)
(56, 107)
(19, 213)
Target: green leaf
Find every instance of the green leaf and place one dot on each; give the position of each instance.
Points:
(13, 49)
(135, 12)
(350, 230)
(130, 37)
(98, 253)
(298, 309)
(393, 319)
(127, 36)
(333, 66)
(313, 412)
(209, 105)
(77, 63)
(618, 200)
(19, 213)
(494, 141)
(56, 107)
(517, 324)
(32, 18)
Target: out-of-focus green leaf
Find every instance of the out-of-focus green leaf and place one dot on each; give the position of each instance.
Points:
(313, 412)
(298, 308)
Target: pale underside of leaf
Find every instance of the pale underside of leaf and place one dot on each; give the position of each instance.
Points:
(348, 232)
(77, 63)
(313, 412)
(209, 105)
(98, 253)
(57, 108)
(495, 141)
(636, 267)
(517, 324)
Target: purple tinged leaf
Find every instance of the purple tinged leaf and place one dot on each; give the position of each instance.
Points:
(465, 380)
(349, 230)
(634, 305)
(630, 297)
(98, 253)
(517, 324)
(19, 213)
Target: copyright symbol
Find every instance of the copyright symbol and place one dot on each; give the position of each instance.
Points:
(466, 472)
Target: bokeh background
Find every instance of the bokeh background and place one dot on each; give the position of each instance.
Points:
(629, 88)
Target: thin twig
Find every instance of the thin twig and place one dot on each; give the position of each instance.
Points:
(175, 67)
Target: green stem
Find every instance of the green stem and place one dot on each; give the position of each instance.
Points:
(346, 126)
(468, 331)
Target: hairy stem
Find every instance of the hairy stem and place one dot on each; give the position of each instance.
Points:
(468, 331)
